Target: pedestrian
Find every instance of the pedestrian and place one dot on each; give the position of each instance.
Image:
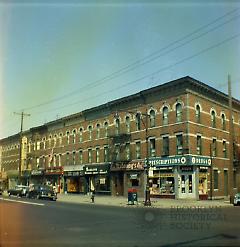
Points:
(93, 195)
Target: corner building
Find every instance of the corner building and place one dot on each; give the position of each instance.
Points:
(178, 133)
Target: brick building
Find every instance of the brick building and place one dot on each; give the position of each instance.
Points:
(186, 123)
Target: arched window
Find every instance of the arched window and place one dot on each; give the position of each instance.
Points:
(106, 129)
(223, 122)
(73, 136)
(68, 137)
(90, 132)
(198, 114)
(178, 112)
(152, 118)
(128, 128)
(165, 115)
(81, 134)
(98, 131)
(117, 126)
(138, 121)
(213, 118)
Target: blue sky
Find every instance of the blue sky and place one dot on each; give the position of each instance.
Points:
(61, 57)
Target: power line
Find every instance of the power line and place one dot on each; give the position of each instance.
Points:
(152, 74)
(147, 59)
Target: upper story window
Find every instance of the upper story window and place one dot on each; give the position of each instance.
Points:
(178, 112)
(68, 137)
(50, 141)
(199, 145)
(117, 126)
(89, 155)
(152, 118)
(179, 143)
(128, 152)
(214, 147)
(55, 140)
(138, 121)
(198, 114)
(224, 149)
(90, 132)
(106, 154)
(165, 145)
(213, 119)
(81, 134)
(80, 156)
(74, 158)
(97, 154)
(165, 115)
(73, 136)
(223, 118)
(128, 128)
(60, 138)
(138, 150)
(106, 129)
(117, 152)
(152, 147)
(67, 158)
(98, 131)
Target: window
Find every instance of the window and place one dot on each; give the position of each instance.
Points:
(214, 147)
(128, 128)
(50, 141)
(138, 150)
(106, 129)
(97, 155)
(165, 146)
(38, 145)
(152, 118)
(54, 160)
(106, 154)
(199, 145)
(98, 131)
(117, 126)
(80, 156)
(90, 132)
(80, 134)
(37, 162)
(223, 122)
(215, 177)
(68, 137)
(179, 144)
(67, 158)
(224, 149)
(198, 114)
(74, 158)
(60, 160)
(117, 152)
(165, 115)
(44, 143)
(138, 121)
(89, 155)
(152, 147)
(74, 136)
(127, 149)
(213, 119)
(60, 138)
(178, 112)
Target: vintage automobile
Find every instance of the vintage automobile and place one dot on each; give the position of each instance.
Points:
(18, 190)
(42, 192)
(236, 200)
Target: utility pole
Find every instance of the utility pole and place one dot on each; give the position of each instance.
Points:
(231, 130)
(20, 143)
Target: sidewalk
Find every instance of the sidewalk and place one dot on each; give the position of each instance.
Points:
(156, 203)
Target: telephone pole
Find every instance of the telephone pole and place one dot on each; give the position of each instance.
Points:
(20, 143)
(231, 140)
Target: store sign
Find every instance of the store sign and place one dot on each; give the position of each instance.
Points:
(96, 169)
(73, 173)
(54, 170)
(178, 160)
(129, 166)
(37, 172)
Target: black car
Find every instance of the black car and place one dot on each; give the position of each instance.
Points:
(18, 190)
(42, 192)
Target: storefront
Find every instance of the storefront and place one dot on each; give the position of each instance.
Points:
(75, 181)
(54, 177)
(179, 176)
(37, 176)
(13, 178)
(97, 178)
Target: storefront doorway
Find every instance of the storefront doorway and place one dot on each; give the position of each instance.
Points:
(185, 186)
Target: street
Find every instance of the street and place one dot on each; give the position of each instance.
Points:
(26, 222)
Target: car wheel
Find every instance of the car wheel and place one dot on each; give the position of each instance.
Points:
(38, 197)
(9, 194)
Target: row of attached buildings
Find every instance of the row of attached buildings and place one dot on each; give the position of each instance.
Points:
(178, 135)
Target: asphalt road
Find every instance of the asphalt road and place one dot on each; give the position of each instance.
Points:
(48, 223)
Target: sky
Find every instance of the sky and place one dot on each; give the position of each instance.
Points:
(61, 57)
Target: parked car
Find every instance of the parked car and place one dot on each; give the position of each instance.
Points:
(236, 200)
(19, 190)
(42, 192)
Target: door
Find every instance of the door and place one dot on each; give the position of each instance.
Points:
(185, 186)
(225, 183)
